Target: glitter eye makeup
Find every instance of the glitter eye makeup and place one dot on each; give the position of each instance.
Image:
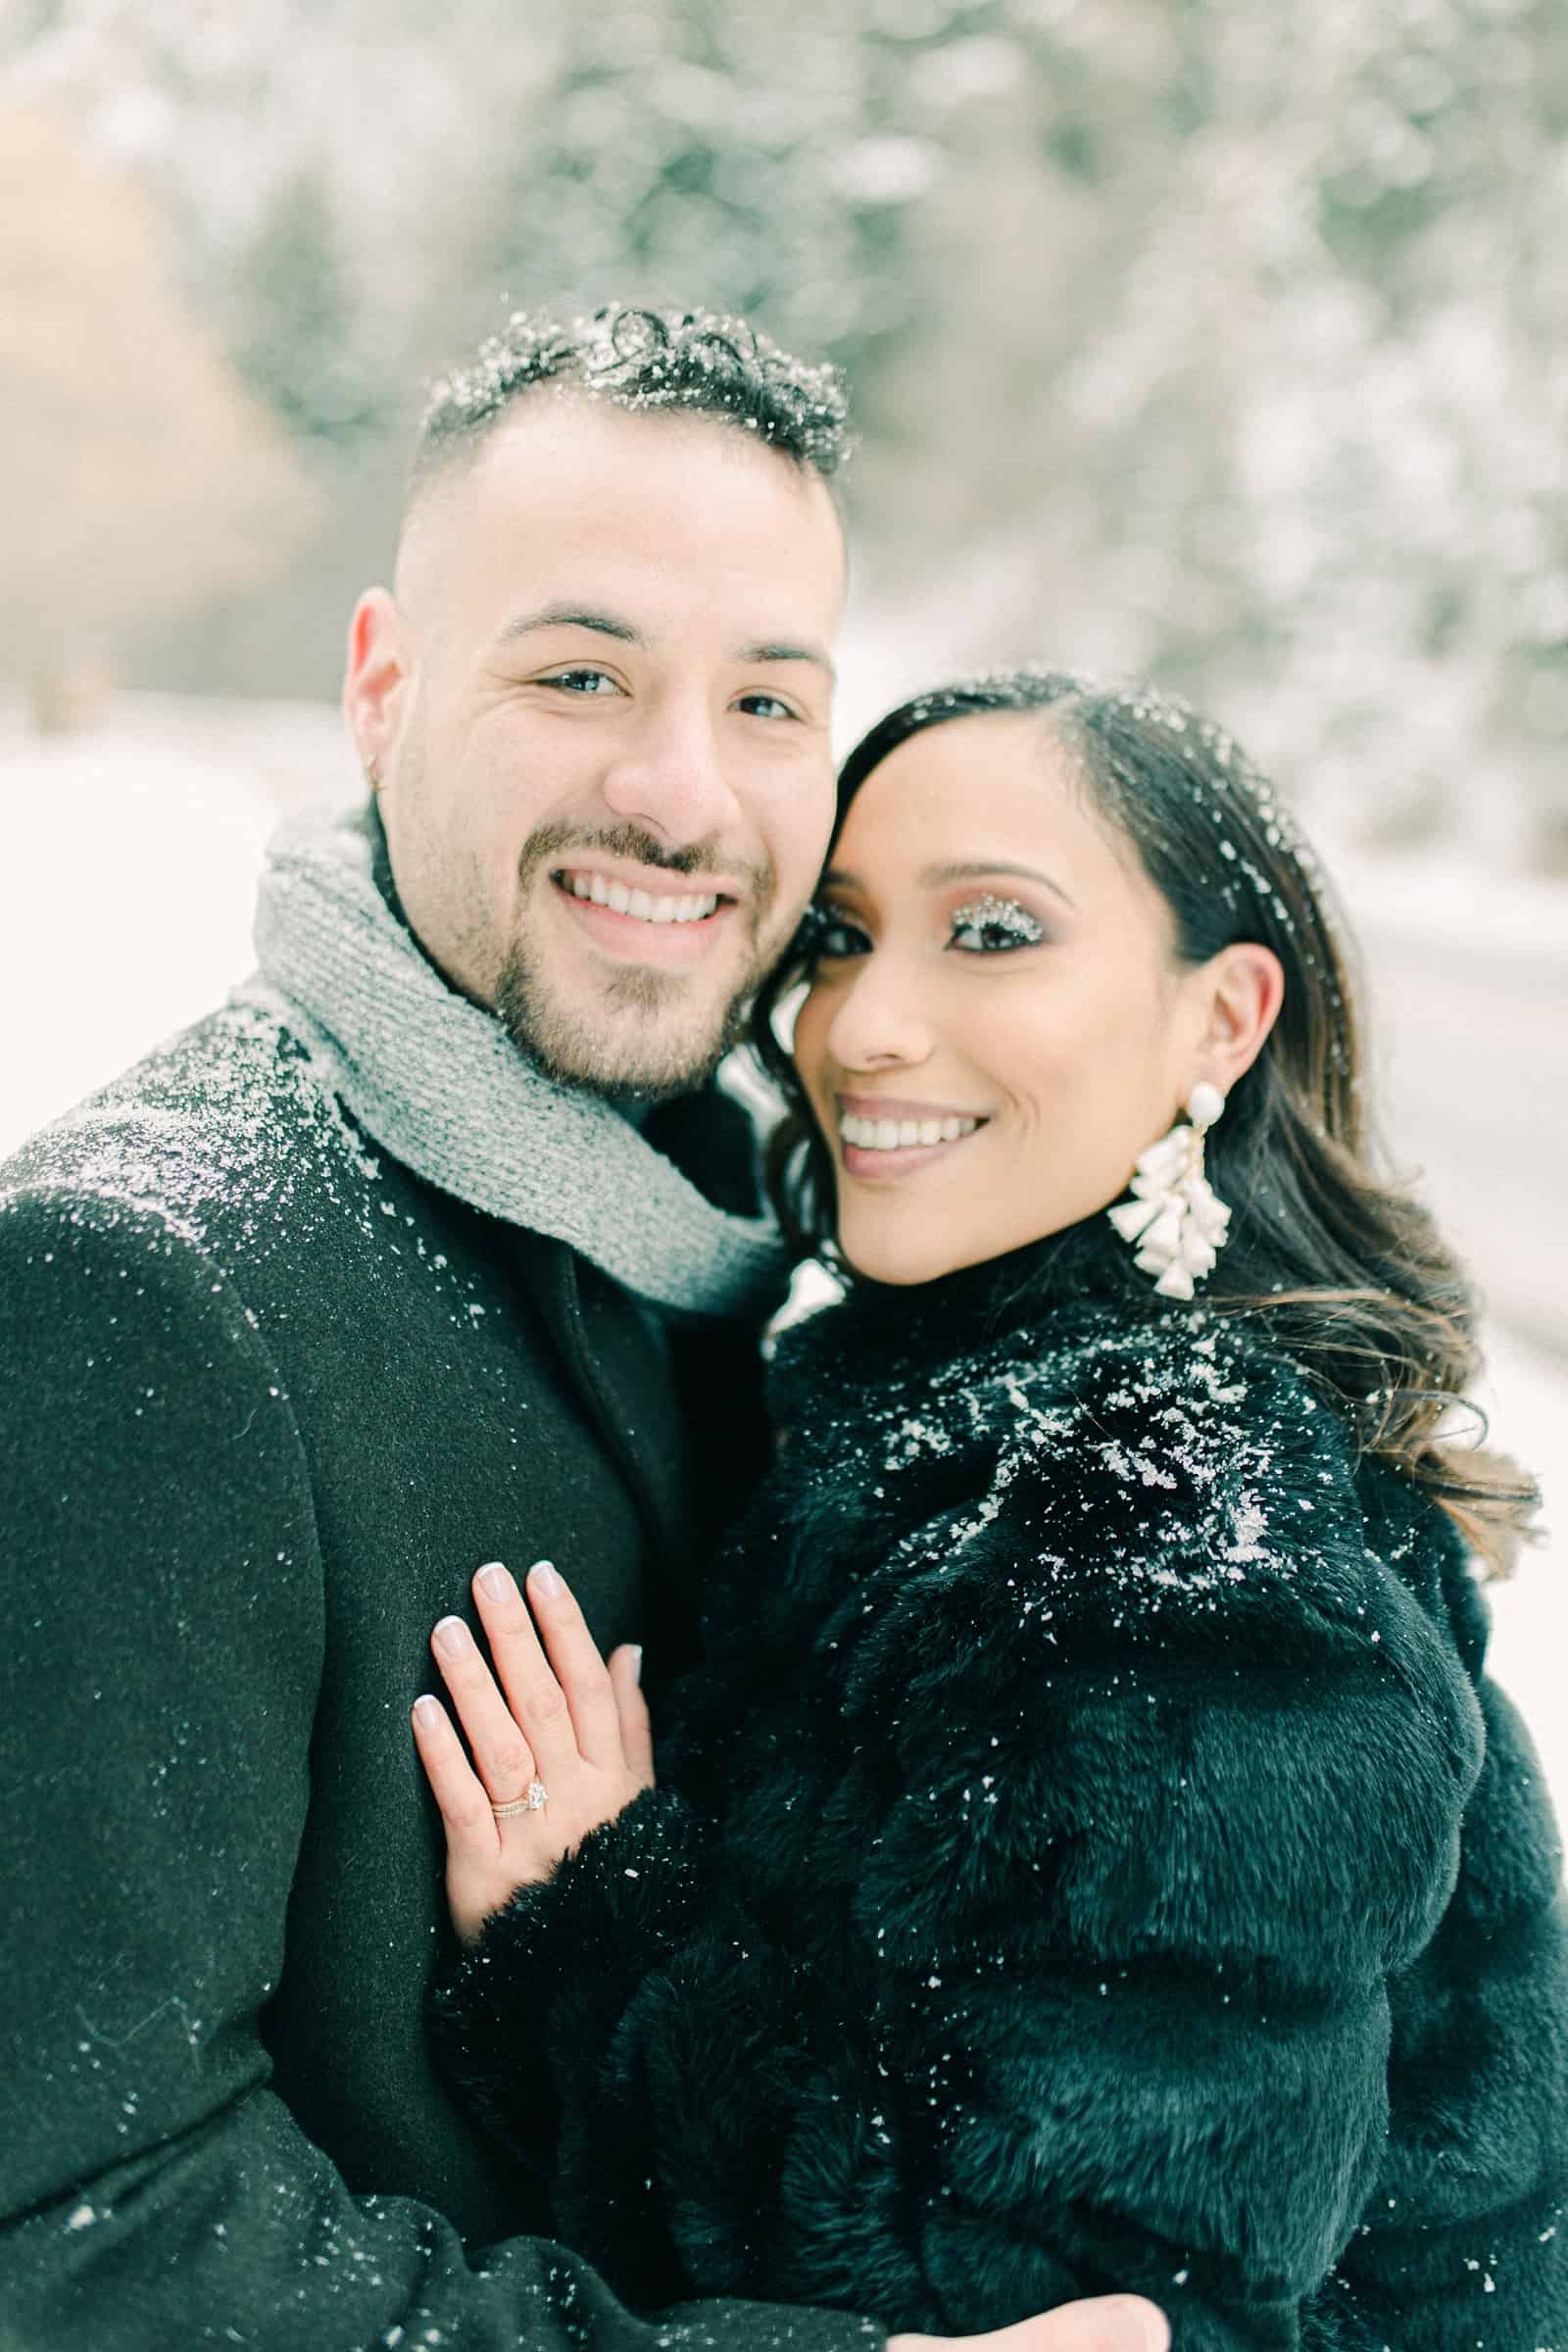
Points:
(826, 933)
(985, 925)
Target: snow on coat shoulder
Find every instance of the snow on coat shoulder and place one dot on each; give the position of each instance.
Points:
(1141, 1662)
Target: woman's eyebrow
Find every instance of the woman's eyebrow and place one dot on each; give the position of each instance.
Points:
(980, 869)
(937, 877)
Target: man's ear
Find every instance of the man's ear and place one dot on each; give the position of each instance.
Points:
(375, 679)
(1245, 987)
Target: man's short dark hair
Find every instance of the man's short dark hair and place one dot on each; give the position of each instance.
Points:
(641, 358)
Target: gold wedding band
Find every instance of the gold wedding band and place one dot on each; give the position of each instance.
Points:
(534, 1800)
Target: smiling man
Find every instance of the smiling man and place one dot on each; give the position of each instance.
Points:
(371, 1277)
(602, 734)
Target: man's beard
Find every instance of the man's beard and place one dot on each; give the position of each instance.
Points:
(585, 1045)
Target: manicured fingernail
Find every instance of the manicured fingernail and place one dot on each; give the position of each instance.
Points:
(427, 1712)
(493, 1581)
(452, 1636)
(543, 1579)
(1155, 2328)
(636, 1649)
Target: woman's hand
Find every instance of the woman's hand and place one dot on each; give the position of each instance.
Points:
(1108, 2324)
(562, 1738)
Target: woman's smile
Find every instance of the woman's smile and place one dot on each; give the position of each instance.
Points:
(882, 1137)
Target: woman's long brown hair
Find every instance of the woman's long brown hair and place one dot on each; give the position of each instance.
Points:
(1344, 1264)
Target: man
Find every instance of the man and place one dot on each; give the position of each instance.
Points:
(359, 1284)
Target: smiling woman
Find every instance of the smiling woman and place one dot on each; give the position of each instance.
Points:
(1171, 930)
(1059, 1026)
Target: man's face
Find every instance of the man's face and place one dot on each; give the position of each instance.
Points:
(599, 707)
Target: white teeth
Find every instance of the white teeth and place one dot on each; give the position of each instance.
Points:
(640, 904)
(901, 1135)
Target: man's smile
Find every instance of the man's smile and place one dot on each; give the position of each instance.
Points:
(647, 904)
(638, 918)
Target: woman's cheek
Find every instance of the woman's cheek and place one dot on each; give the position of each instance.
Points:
(808, 1050)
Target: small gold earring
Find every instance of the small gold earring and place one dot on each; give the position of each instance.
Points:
(373, 775)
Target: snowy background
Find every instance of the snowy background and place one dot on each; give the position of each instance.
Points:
(1177, 348)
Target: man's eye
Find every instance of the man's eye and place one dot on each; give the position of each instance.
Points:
(825, 935)
(991, 926)
(764, 706)
(583, 681)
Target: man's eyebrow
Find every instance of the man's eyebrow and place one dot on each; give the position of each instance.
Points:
(570, 616)
(814, 654)
(566, 616)
(937, 877)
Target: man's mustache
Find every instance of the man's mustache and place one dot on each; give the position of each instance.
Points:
(551, 842)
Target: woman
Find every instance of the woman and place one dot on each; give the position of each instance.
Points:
(1092, 1856)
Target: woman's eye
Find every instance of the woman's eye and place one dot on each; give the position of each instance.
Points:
(824, 934)
(990, 926)
(583, 681)
(764, 706)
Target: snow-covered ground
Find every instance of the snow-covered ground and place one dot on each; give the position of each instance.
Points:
(127, 856)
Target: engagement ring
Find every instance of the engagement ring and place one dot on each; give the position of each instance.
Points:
(537, 1797)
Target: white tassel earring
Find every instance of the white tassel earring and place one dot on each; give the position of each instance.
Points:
(1174, 1214)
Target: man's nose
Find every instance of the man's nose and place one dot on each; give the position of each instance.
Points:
(671, 779)
(879, 1022)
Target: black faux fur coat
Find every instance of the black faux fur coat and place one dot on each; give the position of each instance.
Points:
(1092, 1858)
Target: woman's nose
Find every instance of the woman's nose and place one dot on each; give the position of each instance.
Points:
(879, 1023)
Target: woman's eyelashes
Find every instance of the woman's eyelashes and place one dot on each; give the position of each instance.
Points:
(989, 925)
(826, 933)
(983, 926)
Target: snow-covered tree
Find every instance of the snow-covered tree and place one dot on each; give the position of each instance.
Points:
(1200, 338)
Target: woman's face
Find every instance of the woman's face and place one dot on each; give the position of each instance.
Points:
(999, 1023)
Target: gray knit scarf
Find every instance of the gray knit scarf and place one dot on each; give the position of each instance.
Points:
(440, 1086)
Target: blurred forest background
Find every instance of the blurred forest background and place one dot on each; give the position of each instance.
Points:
(1201, 337)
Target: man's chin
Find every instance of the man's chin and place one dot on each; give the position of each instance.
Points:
(632, 1082)
(632, 1053)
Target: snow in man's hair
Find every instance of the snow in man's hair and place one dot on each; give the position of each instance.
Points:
(641, 358)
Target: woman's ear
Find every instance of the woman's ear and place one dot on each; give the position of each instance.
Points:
(1243, 989)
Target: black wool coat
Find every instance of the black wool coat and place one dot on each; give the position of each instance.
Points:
(266, 1401)
(1092, 1857)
